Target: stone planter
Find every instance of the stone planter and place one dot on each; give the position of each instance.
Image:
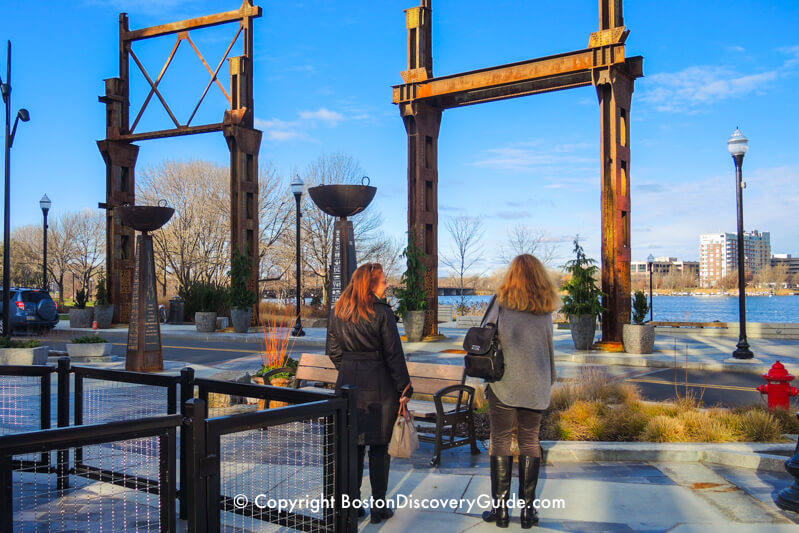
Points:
(88, 350)
(638, 338)
(104, 315)
(205, 322)
(583, 329)
(240, 319)
(414, 325)
(81, 318)
(24, 356)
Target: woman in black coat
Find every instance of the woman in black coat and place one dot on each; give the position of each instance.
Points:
(364, 344)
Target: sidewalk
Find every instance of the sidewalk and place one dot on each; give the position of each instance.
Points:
(598, 496)
(672, 348)
(617, 487)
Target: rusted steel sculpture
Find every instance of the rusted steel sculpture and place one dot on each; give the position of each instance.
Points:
(120, 153)
(423, 98)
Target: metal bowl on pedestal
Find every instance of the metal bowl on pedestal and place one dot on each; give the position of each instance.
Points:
(343, 200)
(145, 217)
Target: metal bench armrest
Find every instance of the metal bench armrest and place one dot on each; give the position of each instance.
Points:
(461, 405)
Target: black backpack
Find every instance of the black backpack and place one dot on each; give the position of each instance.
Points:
(484, 358)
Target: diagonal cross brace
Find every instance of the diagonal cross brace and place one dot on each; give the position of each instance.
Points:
(213, 73)
(157, 81)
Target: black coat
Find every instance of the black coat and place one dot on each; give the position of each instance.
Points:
(368, 355)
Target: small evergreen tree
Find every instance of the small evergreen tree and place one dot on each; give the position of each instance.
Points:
(583, 296)
(412, 295)
(640, 307)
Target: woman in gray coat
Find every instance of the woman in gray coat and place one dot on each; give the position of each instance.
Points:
(522, 310)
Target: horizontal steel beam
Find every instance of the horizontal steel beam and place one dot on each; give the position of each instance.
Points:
(193, 24)
(552, 73)
(174, 132)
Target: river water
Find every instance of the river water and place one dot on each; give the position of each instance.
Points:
(703, 308)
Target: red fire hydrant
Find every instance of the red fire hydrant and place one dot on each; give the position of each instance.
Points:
(777, 389)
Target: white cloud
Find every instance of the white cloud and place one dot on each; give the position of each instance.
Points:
(324, 115)
(793, 53)
(534, 155)
(699, 86)
(279, 130)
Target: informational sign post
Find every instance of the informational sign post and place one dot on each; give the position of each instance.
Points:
(342, 261)
(144, 352)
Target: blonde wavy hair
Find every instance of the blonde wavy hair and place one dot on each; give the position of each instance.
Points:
(528, 287)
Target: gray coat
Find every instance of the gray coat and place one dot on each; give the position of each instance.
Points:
(529, 357)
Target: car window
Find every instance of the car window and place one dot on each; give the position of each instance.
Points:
(34, 297)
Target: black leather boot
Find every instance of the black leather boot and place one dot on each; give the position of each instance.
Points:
(501, 468)
(528, 480)
(379, 464)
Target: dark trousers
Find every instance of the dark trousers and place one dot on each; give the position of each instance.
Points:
(379, 462)
(503, 418)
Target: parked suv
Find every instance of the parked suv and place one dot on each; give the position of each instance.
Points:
(30, 308)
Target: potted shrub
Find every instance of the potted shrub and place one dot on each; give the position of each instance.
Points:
(583, 300)
(639, 337)
(209, 298)
(31, 352)
(80, 316)
(411, 293)
(103, 309)
(241, 298)
(88, 346)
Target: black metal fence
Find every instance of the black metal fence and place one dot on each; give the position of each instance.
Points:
(134, 491)
(302, 452)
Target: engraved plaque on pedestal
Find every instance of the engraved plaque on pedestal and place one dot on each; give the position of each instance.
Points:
(342, 261)
(144, 333)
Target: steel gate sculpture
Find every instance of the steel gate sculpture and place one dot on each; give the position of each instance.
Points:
(423, 98)
(120, 153)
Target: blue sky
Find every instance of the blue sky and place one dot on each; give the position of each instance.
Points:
(324, 73)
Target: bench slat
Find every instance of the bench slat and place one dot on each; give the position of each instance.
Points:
(311, 373)
(429, 370)
(313, 359)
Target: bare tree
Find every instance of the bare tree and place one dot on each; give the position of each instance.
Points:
(466, 233)
(60, 252)
(525, 239)
(276, 216)
(193, 245)
(26, 256)
(88, 239)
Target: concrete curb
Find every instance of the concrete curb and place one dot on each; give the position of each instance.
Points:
(766, 457)
(623, 359)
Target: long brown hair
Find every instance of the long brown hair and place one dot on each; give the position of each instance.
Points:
(528, 287)
(356, 302)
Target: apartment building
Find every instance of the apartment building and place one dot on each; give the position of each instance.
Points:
(718, 255)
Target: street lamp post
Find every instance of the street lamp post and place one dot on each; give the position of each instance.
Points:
(45, 204)
(296, 189)
(22, 114)
(650, 265)
(738, 145)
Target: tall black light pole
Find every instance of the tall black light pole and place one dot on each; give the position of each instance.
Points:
(650, 265)
(23, 115)
(45, 204)
(738, 145)
(297, 187)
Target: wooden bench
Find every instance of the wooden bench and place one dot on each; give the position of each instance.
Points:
(452, 400)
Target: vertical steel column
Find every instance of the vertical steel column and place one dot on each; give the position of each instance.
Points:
(422, 125)
(120, 162)
(614, 88)
(244, 143)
